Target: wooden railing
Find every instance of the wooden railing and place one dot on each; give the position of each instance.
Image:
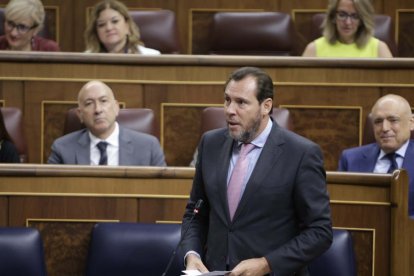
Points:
(64, 202)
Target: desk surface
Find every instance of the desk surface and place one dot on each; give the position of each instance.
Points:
(203, 60)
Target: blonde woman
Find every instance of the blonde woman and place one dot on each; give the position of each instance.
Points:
(112, 30)
(23, 21)
(348, 31)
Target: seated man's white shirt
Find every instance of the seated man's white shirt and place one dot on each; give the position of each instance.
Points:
(112, 149)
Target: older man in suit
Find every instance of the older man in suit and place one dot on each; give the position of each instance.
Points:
(393, 122)
(266, 207)
(104, 142)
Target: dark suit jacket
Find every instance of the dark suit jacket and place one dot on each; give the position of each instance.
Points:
(8, 152)
(364, 158)
(135, 149)
(283, 215)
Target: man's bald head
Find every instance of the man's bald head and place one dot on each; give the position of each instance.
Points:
(393, 122)
(90, 85)
(97, 108)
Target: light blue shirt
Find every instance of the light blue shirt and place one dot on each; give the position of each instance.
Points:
(383, 163)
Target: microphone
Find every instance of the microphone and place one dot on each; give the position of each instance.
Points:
(196, 210)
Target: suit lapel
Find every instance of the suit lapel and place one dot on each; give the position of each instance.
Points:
(268, 157)
(224, 154)
(126, 150)
(83, 152)
(370, 156)
(408, 162)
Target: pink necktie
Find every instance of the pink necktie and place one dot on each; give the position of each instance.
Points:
(237, 178)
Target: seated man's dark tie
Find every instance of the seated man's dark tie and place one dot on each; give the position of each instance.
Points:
(102, 149)
(393, 161)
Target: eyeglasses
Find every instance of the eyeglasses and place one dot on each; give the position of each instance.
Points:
(343, 16)
(21, 28)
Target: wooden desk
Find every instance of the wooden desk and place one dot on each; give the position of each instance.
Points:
(328, 98)
(64, 202)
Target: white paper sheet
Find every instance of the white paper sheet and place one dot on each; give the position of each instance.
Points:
(196, 273)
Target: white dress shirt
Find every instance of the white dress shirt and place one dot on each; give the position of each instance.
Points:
(112, 149)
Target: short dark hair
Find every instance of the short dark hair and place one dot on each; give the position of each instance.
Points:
(264, 82)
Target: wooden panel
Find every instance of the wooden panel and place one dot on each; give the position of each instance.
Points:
(168, 210)
(179, 107)
(373, 207)
(23, 208)
(66, 245)
(201, 21)
(54, 114)
(12, 92)
(36, 119)
(4, 211)
(181, 132)
(52, 21)
(364, 250)
(65, 225)
(405, 38)
(303, 19)
(361, 217)
(44, 84)
(402, 246)
(327, 126)
(199, 40)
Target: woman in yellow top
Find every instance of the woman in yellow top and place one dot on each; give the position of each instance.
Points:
(348, 32)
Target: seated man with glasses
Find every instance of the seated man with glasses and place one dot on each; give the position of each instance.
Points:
(348, 30)
(23, 21)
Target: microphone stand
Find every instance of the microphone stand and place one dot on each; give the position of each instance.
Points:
(196, 210)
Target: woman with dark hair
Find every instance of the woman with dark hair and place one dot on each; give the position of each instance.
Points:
(8, 151)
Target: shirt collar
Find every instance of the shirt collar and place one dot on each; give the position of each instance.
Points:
(400, 152)
(111, 140)
(260, 140)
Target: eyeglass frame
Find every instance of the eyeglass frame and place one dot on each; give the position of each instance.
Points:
(20, 28)
(343, 16)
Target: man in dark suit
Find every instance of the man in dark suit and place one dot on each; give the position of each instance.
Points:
(393, 122)
(98, 109)
(276, 218)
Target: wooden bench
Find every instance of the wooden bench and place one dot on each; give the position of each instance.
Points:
(64, 202)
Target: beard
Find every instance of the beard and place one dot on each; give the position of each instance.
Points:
(246, 135)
